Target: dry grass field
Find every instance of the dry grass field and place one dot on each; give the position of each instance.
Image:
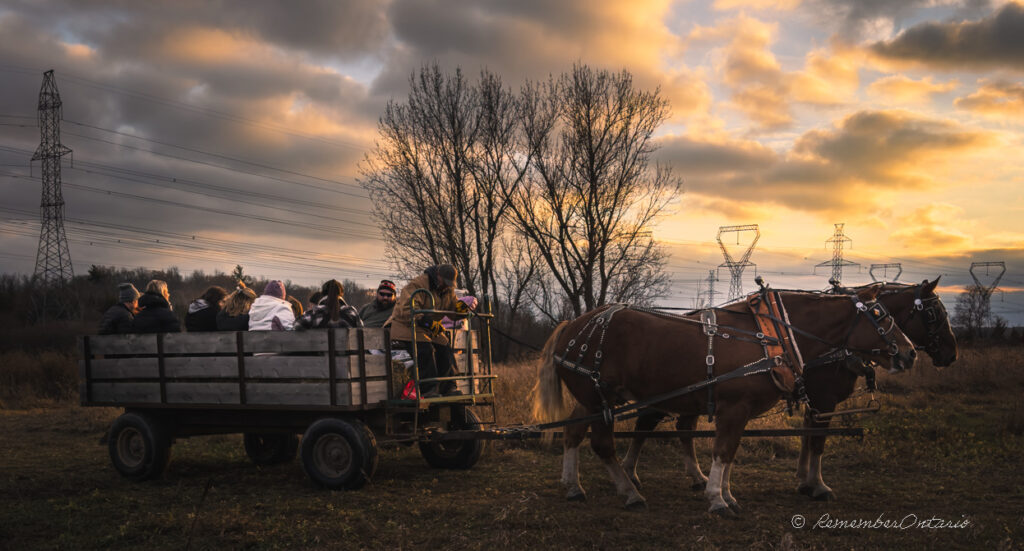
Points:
(946, 445)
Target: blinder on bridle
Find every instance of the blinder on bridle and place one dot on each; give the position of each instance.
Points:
(876, 314)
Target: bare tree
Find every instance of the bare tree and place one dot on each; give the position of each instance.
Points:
(439, 171)
(972, 311)
(590, 195)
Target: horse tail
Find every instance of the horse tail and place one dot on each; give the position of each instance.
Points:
(547, 394)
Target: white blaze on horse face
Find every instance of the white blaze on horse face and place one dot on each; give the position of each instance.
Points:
(571, 466)
(714, 489)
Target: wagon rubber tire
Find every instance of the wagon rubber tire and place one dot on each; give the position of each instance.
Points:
(455, 454)
(339, 454)
(139, 446)
(271, 449)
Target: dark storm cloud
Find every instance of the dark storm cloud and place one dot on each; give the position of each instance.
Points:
(996, 41)
(333, 28)
(120, 69)
(857, 18)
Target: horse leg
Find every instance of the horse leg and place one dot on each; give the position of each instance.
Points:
(728, 430)
(812, 484)
(700, 482)
(646, 422)
(602, 441)
(572, 438)
(805, 455)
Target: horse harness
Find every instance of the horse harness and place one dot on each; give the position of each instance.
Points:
(781, 353)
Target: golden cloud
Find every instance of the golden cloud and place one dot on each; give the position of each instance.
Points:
(778, 5)
(902, 89)
(210, 46)
(995, 99)
(761, 89)
(848, 167)
(934, 228)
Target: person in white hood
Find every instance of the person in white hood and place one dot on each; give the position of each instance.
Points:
(270, 311)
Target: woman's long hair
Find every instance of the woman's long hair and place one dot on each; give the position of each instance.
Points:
(333, 291)
(214, 296)
(240, 301)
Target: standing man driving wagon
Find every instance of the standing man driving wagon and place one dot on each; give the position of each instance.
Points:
(432, 348)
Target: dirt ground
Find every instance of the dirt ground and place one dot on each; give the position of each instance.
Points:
(942, 450)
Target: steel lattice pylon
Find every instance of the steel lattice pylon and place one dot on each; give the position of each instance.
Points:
(837, 263)
(987, 290)
(736, 267)
(898, 266)
(53, 259)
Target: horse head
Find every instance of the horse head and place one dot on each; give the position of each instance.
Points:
(875, 335)
(923, 317)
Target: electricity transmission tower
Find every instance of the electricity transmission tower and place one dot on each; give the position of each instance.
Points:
(709, 301)
(885, 271)
(837, 263)
(53, 259)
(736, 267)
(987, 290)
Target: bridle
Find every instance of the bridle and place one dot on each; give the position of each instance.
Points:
(934, 317)
(876, 314)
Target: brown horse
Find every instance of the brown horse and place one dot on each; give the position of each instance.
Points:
(920, 315)
(644, 355)
(923, 318)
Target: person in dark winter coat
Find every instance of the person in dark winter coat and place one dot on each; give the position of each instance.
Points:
(202, 313)
(117, 320)
(156, 315)
(235, 314)
(432, 348)
(376, 313)
(331, 311)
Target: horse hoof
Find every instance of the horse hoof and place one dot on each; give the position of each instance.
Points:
(699, 486)
(824, 496)
(725, 512)
(735, 507)
(576, 496)
(806, 490)
(638, 505)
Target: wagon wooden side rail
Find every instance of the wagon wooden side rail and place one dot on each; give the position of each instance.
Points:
(337, 387)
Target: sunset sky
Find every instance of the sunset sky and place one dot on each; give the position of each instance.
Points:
(231, 131)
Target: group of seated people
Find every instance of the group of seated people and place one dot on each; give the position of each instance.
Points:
(275, 310)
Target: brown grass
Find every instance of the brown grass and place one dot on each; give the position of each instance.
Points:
(32, 379)
(947, 445)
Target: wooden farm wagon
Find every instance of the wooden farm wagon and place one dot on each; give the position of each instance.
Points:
(336, 387)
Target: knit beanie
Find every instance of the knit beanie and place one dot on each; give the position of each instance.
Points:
(275, 289)
(126, 292)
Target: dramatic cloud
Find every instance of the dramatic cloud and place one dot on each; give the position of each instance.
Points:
(840, 169)
(995, 99)
(857, 20)
(761, 89)
(905, 90)
(993, 42)
(932, 227)
(535, 39)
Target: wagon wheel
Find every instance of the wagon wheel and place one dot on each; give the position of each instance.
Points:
(455, 454)
(339, 453)
(139, 446)
(271, 449)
